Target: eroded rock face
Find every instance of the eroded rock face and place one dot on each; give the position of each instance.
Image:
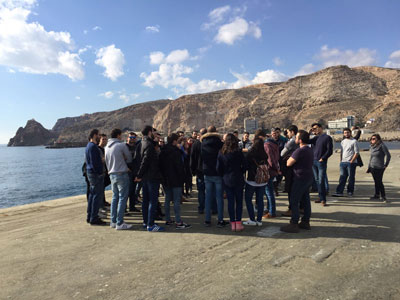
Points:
(329, 94)
(33, 134)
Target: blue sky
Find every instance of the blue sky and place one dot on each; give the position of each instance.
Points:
(69, 57)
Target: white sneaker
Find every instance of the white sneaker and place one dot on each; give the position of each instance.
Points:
(259, 223)
(124, 226)
(113, 225)
(250, 223)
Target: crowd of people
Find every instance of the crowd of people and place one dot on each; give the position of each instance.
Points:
(225, 167)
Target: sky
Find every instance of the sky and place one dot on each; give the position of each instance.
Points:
(65, 58)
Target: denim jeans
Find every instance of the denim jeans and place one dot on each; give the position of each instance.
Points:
(150, 200)
(96, 192)
(235, 202)
(174, 194)
(214, 191)
(132, 191)
(201, 192)
(248, 196)
(377, 174)
(120, 189)
(347, 170)
(269, 191)
(319, 169)
(300, 196)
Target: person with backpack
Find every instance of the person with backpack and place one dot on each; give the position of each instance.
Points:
(256, 164)
(231, 166)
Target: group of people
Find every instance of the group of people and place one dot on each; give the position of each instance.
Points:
(225, 167)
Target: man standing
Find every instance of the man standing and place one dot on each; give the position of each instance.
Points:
(107, 181)
(131, 144)
(211, 145)
(95, 175)
(348, 163)
(323, 149)
(286, 152)
(117, 158)
(149, 174)
(245, 144)
(302, 163)
(196, 165)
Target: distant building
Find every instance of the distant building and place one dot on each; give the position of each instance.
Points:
(347, 122)
(250, 125)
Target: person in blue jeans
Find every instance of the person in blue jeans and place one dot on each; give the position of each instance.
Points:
(95, 175)
(348, 163)
(150, 176)
(117, 158)
(323, 149)
(302, 162)
(211, 144)
(231, 165)
(173, 177)
(256, 156)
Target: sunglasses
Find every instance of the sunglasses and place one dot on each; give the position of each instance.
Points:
(373, 139)
(132, 137)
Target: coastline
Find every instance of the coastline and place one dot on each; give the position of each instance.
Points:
(352, 252)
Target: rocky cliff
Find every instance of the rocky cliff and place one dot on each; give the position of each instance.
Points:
(33, 134)
(329, 94)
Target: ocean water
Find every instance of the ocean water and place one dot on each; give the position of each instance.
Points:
(34, 174)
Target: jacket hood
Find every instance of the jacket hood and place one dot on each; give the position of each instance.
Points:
(112, 142)
(211, 134)
(271, 140)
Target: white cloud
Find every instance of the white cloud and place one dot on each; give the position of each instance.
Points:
(174, 57)
(78, 98)
(29, 48)
(113, 60)
(124, 97)
(216, 16)
(306, 69)
(96, 28)
(85, 31)
(156, 58)
(153, 29)
(167, 75)
(236, 30)
(278, 61)
(108, 94)
(333, 56)
(394, 60)
(269, 76)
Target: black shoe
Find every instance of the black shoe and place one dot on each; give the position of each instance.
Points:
(305, 225)
(222, 223)
(207, 223)
(98, 222)
(290, 228)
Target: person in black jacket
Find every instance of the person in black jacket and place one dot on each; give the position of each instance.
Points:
(255, 157)
(149, 174)
(131, 143)
(211, 144)
(173, 177)
(231, 166)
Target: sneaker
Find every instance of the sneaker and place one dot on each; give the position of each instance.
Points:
(324, 203)
(287, 213)
(207, 223)
(233, 226)
(338, 195)
(98, 222)
(291, 228)
(123, 226)
(221, 224)
(269, 216)
(170, 223)
(259, 223)
(113, 225)
(182, 226)
(239, 226)
(144, 226)
(155, 228)
(349, 194)
(250, 223)
(375, 197)
(305, 225)
(384, 199)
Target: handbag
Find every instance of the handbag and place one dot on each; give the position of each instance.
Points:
(262, 173)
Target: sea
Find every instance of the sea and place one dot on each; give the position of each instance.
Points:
(35, 174)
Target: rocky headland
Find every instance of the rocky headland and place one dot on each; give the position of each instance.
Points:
(329, 94)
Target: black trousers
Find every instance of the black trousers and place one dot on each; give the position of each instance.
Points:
(377, 174)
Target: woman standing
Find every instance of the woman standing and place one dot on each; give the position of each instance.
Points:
(231, 166)
(255, 157)
(377, 165)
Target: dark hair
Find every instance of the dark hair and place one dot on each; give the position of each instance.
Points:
(93, 133)
(293, 128)
(235, 131)
(115, 133)
(304, 136)
(203, 131)
(103, 135)
(132, 133)
(346, 129)
(377, 136)
(231, 144)
(212, 129)
(259, 132)
(275, 129)
(258, 150)
(246, 132)
(172, 137)
(147, 129)
(316, 124)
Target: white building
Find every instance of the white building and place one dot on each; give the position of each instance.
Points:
(347, 122)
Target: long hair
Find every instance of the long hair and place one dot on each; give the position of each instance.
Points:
(257, 150)
(378, 138)
(231, 144)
